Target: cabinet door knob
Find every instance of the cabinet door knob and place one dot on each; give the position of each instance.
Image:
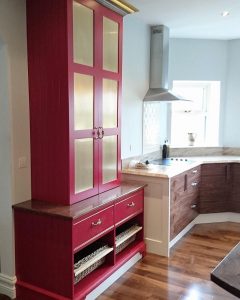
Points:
(131, 204)
(100, 133)
(194, 184)
(193, 206)
(98, 222)
(194, 171)
(95, 133)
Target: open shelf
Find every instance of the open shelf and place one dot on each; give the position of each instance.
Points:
(91, 261)
(125, 235)
(82, 288)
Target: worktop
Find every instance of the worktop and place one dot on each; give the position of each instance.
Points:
(227, 273)
(171, 171)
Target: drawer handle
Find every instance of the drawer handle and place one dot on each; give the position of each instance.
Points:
(194, 183)
(193, 206)
(194, 171)
(97, 223)
(131, 204)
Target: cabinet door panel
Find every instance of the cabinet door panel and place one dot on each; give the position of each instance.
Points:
(110, 45)
(110, 103)
(82, 34)
(83, 101)
(84, 167)
(109, 159)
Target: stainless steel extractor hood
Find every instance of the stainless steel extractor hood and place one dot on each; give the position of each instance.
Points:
(159, 52)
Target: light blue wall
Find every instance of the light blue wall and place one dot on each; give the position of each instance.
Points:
(197, 59)
(5, 160)
(232, 107)
(136, 46)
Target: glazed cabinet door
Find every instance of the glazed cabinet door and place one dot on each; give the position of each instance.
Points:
(95, 70)
(109, 118)
(84, 92)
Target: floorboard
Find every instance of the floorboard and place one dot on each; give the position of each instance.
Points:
(186, 274)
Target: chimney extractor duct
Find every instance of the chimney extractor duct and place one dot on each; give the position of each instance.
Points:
(159, 50)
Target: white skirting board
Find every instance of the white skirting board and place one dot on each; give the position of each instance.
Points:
(207, 218)
(7, 285)
(111, 279)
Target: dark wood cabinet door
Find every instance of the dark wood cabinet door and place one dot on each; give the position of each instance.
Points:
(236, 188)
(215, 190)
(184, 200)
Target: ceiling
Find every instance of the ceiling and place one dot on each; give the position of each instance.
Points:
(193, 18)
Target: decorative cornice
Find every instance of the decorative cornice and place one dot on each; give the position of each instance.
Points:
(119, 6)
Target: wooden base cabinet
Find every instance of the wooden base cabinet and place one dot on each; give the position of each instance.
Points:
(65, 252)
(184, 200)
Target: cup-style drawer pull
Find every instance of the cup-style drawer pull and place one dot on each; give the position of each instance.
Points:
(194, 184)
(194, 171)
(131, 204)
(193, 206)
(98, 222)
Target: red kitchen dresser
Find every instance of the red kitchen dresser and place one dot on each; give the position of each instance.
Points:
(65, 252)
(75, 79)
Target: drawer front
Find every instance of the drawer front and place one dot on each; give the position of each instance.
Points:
(129, 207)
(194, 174)
(219, 169)
(91, 227)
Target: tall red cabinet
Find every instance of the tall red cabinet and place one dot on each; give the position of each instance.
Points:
(82, 223)
(75, 73)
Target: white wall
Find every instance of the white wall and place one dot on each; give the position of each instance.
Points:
(14, 123)
(232, 107)
(136, 51)
(197, 59)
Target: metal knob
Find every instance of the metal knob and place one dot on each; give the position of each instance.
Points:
(131, 204)
(97, 223)
(194, 184)
(194, 171)
(193, 206)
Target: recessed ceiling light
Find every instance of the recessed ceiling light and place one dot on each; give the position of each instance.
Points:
(225, 13)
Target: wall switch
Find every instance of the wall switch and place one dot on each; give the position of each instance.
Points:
(22, 162)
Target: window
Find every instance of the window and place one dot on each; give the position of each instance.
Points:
(199, 118)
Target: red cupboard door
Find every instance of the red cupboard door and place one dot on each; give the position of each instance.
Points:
(95, 79)
(110, 59)
(84, 94)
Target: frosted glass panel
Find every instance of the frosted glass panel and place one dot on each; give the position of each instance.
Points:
(110, 45)
(83, 102)
(82, 34)
(109, 103)
(83, 165)
(109, 164)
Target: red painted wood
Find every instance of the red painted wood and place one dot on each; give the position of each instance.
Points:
(51, 71)
(27, 291)
(48, 92)
(86, 285)
(129, 207)
(45, 248)
(44, 256)
(84, 230)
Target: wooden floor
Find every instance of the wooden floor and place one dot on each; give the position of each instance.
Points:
(186, 274)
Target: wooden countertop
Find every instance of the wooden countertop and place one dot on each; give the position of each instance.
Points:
(227, 273)
(81, 208)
